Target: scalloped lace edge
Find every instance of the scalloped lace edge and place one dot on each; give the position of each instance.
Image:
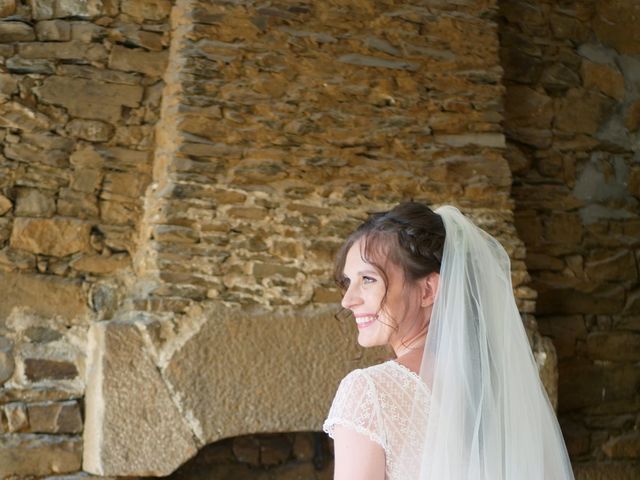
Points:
(328, 425)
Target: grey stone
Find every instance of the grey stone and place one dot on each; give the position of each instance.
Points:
(53, 31)
(381, 45)
(23, 152)
(42, 9)
(7, 364)
(42, 334)
(16, 32)
(32, 202)
(118, 422)
(368, 61)
(78, 8)
(598, 53)
(25, 65)
(630, 66)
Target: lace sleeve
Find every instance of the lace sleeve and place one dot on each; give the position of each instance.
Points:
(356, 406)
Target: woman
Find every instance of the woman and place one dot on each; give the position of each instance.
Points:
(462, 399)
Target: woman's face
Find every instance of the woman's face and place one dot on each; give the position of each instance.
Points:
(364, 295)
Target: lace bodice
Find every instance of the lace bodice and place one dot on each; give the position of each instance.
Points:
(390, 405)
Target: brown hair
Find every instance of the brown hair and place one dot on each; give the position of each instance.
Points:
(410, 235)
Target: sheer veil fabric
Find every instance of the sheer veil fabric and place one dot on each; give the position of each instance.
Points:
(490, 417)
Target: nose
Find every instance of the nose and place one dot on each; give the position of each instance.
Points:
(350, 299)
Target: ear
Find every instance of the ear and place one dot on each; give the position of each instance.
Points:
(428, 289)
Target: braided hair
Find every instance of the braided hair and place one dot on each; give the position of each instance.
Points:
(411, 236)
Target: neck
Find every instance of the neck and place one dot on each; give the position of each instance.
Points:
(413, 346)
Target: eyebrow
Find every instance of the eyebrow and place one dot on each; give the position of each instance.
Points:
(363, 272)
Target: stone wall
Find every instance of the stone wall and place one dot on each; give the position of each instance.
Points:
(572, 71)
(80, 91)
(147, 268)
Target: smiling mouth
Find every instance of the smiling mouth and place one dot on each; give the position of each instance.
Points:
(364, 322)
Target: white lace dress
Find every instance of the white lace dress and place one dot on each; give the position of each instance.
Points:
(389, 404)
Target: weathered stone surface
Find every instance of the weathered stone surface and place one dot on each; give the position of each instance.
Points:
(42, 9)
(146, 9)
(72, 50)
(7, 364)
(278, 409)
(44, 295)
(623, 446)
(53, 31)
(138, 60)
(369, 61)
(19, 116)
(5, 205)
(7, 7)
(102, 264)
(39, 455)
(31, 202)
(581, 111)
(614, 25)
(606, 471)
(36, 369)
(16, 415)
(59, 417)
(119, 423)
(57, 236)
(16, 32)
(25, 65)
(607, 265)
(88, 98)
(604, 78)
(615, 346)
(78, 8)
(91, 130)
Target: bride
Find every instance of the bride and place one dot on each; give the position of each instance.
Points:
(462, 400)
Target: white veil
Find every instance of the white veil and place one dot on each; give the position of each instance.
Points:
(490, 418)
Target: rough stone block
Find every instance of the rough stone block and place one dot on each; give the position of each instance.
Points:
(39, 455)
(623, 446)
(604, 78)
(91, 130)
(58, 237)
(614, 346)
(25, 65)
(58, 417)
(7, 7)
(78, 8)
(94, 52)
(53, 31)
(5, 205)
(44, 295)
(37, 369)
(146, 9)
(21, 117)
(582, 111)
(72, 203)
(614, 24)
(16, 415)
(7, 364)
(16, 32)
(32, 202)
(148, 423)
(42, 9)
(89, 98)
(138, 60)
(100, 264)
